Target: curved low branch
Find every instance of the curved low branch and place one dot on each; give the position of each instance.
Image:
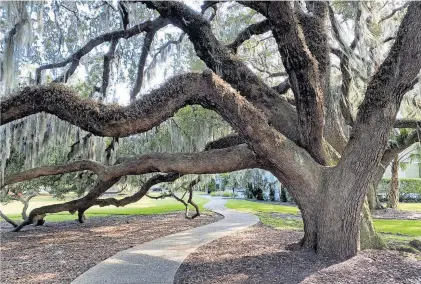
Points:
(150, 110)
(83, 165)
(139, 194)
(212, 161)
(71, 206)
(8, 220)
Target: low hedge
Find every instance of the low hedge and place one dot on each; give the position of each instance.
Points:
(221, 193)
(409, 188)
(406, 185)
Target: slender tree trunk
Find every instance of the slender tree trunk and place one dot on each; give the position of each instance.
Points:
(393, 196)
(373, 200)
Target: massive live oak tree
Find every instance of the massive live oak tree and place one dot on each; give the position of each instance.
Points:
(327, 156)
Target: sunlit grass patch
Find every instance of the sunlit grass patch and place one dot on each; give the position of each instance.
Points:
(410, 206)
(145, 206)
(255, 207)
(280, 223)
(400, 227)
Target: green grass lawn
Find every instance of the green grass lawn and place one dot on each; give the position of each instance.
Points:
(256, 207)
(410, 206)
(401, 227)
(145, 206)
(404, 228)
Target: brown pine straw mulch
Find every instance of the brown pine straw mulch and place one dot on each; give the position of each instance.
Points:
(258, 255)
(61, 251)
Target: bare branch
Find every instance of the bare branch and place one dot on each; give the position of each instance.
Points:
(141, 65)
(124, 15)
(394, 11)
(254, 29)
(190, 200)
(75, 147)
(390, 38)
(75, 57)
(108, 57)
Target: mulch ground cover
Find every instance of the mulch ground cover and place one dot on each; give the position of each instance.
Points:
(61, 251)
(258, 255)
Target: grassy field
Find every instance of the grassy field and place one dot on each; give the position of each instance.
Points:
(410, 207)
(256, 207)
(404, 228)
(145, 206)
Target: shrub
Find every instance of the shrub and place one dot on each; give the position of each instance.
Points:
(253, 191)
(283, 194)
(409, 188)
(221, 193)
(272, 194)
(226, 194)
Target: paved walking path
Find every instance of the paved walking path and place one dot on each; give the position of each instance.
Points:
(157, 261)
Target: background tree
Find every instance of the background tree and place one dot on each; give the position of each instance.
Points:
(326, 140)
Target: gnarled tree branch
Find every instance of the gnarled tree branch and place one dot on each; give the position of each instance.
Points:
(303, 70)
(150, 110)
(228, 66)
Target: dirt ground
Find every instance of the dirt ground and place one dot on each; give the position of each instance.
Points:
(59, 252)
(258, 255)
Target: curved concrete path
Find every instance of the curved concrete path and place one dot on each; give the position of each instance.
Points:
(157, 261)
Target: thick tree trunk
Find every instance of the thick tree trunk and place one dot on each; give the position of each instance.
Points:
(335, 226)
(338, 231)
(393, 196)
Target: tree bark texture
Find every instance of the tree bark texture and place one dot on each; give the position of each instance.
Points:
(327, 174)
(393, 195)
